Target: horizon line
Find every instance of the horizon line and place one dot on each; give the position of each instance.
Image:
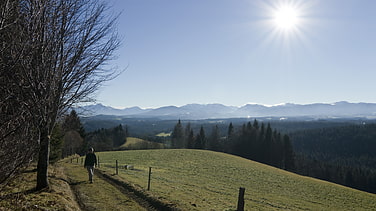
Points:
(249, 103)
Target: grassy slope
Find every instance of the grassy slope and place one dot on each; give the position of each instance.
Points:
(205, 180)
(136, 143)
(20, 194)
(131, 141)
(100, 195)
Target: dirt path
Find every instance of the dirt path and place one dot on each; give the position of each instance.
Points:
(102, 194)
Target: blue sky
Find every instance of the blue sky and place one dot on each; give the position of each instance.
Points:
(232, 52)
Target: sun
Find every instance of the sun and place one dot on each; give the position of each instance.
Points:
(286, 23)
(286, 17)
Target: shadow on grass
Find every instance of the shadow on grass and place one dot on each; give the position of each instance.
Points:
(19, 194)
(29, 170)
(75, 183)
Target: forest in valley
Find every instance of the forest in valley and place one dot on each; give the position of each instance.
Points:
(345, 155)
(339, 152)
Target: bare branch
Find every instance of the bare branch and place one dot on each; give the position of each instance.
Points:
(52, 55)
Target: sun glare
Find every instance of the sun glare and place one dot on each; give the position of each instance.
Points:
(286, 17)
(285, 24)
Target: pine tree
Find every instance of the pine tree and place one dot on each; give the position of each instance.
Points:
(74, 134)
(57, 142)
(227, 145)
(262, 131)
(126, 131)
(289, 161)
(214, 139)
(191, 140)
(187, 132)
(241, 143)
(73, 122)
(277, 150)
(268, 145)
(177, 136)
(249, 127)
(118, 136)
(201, 139)
(255, 124)
(230, 131)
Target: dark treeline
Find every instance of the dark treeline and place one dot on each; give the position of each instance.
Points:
(69, 137)
(263, 144)
(337, 171)
(253, 141)
(333, 142)
(107, 139)
(345, 155)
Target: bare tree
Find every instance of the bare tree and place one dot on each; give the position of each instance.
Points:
(18, 137)
(65, 47)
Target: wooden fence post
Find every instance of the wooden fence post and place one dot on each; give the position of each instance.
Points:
(149, 178)
(82, 161)
(117, 167)
(98, 162)
(77, 159)
(241, 199)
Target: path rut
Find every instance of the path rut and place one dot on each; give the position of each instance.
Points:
(102, 194)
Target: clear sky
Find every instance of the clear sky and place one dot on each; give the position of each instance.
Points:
(236, 52)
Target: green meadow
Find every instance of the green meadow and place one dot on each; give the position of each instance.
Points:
(137, 143)
(206, 180)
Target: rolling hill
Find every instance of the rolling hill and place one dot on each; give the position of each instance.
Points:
(206, 180)
(137, 143)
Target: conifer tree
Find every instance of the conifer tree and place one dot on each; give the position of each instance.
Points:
(214, 139)
(230, 131)
(74, 134)
(201, 139)
(227, 144)
(191, 140)
(57, 141)
(249, 126)
(277, 150)
(289, 161)
(126, 131)
(255, 124)
(177, 136)
(187, 132)
(118, 136)
(267, 144)
(240, 144)
(262, 132)
(72, 122)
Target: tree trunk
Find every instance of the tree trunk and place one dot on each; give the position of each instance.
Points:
(44, 152)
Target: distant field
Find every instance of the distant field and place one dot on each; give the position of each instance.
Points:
(163, 134)
(137, 143)
(205, 180)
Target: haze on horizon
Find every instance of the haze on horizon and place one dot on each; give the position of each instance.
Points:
(239, 52)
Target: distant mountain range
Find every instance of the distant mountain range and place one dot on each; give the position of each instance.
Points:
(214, 111)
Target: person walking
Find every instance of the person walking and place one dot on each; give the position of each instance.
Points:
(90, 163)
